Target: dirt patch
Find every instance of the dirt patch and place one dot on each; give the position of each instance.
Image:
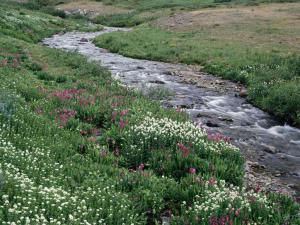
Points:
(90, 8)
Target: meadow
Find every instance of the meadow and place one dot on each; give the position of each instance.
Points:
(76, 147)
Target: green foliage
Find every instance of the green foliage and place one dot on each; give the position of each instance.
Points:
(53, 11)
(119, 20)
(44, 76)
(61, 79)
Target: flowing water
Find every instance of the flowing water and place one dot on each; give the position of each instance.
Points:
(274, 148)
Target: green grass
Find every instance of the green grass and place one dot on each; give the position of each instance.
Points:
(77, 147)
(156, 4)
(271, 72)
(32, 26)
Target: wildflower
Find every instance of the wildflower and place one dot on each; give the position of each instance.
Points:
(123, 123)
(39, 111)
(3, 62)
(83, 132)
(217, 137)
(124, 112)
(141, 166)
(192, 170)
(66, 94)
(184, 149)
(237, 212)
(258, 188)
(114, 115)
(212, 181)
(117, 152)
(103, 153)
(178, 109)
(64, 115)
(71, 217)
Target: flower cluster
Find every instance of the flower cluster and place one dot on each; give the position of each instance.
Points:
(66, 94)
(34, 194)
(64, 115)
(167, 132)
(120, 118)
(217, 137)
(223, 204)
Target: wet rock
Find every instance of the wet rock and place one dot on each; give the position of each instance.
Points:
(295, 174)
(220, 82)
(291, 185)
(199, 115)
(140, 68)
(200, 86)
(84, 40)
(190, 81)
(157, 82)
(167, 105)
(243, 93)
(225, 119)
(169, 73)
(186, 106)
(256, 165)
(211, 124)
(245, 123)
(270, 149)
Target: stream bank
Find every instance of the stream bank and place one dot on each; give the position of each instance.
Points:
(272, 150)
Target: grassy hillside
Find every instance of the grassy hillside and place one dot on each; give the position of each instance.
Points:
(258, 46)
(32, 25)
(78, 148)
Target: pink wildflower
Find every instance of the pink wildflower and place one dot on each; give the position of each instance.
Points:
(217, 137)
(141, 166)
(192, 170)
(114, 115)
(184, 149)
(124, 112)
(103, 153)
(123, 123)
(67, 94)
(64, 115)
(258, 188)
(212, 181)
(237, 212)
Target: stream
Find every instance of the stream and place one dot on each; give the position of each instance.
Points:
(272, 150)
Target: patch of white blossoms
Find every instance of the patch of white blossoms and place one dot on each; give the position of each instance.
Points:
(221, 199)
(167, 131)
(32, 192)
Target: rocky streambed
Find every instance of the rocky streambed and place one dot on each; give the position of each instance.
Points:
(272, 150)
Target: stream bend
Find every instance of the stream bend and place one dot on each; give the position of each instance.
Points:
(271, 149)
